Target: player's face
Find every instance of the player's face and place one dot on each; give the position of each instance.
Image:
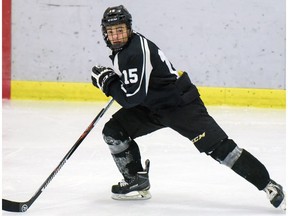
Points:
(117, 34)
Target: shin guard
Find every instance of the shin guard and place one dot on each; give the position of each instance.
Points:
(129, 161)
(241, 162)
(252, 170)
(124, 150)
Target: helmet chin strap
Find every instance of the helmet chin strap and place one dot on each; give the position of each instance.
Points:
(118, 46)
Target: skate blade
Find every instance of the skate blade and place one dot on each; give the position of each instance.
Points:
(134, 195)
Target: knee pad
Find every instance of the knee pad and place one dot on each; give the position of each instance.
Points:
(116, 137)
(226, 152)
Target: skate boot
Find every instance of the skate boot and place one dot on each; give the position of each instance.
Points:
(276, 195)
(136, 189)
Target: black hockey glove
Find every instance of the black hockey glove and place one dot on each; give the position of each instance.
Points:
(102, 77)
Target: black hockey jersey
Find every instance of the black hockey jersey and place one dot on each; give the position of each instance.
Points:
(148, 78)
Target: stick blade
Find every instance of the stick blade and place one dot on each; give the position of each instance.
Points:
(12, 206)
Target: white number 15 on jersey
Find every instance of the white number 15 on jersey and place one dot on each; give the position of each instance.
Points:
(131, 76)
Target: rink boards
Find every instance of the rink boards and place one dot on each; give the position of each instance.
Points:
(34, 90)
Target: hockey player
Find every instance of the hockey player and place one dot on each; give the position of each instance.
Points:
(153, 95)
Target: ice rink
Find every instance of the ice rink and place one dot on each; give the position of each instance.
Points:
(37, 135)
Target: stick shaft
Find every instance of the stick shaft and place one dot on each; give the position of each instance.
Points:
(12, 206)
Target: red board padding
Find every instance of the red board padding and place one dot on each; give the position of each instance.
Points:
(6, 49)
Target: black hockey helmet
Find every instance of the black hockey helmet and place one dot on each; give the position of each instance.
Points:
(113, 16)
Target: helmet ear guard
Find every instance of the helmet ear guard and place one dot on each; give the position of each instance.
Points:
(114, 16)
(105, 36)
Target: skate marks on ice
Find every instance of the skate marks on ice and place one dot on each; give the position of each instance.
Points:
(36, 135)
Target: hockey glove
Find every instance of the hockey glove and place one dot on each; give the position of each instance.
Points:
(102, 77)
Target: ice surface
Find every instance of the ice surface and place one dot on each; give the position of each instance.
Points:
(37, 135)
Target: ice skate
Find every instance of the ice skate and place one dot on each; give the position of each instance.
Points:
(276, 195)
(136, 189)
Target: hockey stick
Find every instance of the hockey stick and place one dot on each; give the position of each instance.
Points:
(13, 206)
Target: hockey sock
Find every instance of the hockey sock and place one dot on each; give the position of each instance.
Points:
(252, 170)
(242, 162)
(129, 161)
